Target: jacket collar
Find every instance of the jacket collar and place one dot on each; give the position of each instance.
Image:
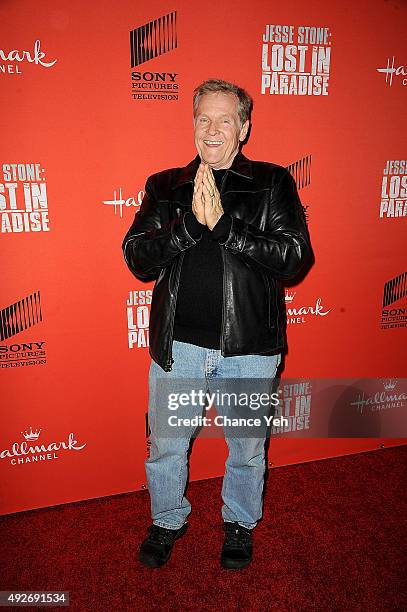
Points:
(241, 166)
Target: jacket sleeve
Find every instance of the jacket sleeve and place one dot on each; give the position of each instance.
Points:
(149, 245)
(285, 246)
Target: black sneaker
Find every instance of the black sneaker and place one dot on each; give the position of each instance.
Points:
(238, 546)
(156, 548)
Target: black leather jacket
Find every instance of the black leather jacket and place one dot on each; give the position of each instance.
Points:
(268, 243)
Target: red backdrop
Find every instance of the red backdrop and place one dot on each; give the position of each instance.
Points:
(73, 354)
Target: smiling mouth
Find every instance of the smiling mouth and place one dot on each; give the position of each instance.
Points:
(213, 143)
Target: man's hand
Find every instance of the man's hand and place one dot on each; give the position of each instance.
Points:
(206, 203)
(198, 205)
(211, 198)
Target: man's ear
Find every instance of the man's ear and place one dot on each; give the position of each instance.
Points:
(244, 130)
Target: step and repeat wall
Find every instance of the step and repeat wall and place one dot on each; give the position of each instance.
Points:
(96, 97)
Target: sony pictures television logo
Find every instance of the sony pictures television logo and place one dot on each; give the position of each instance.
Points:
(14, 319)
(394, 305)
(148, 42)
(31, 450)
(301, 172)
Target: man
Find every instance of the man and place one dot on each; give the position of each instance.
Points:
(217, 236)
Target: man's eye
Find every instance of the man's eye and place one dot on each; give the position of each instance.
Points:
(203, 120)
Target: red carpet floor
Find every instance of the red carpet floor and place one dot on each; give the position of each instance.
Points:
(333, 537)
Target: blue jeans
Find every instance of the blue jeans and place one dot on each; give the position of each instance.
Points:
(167, 465)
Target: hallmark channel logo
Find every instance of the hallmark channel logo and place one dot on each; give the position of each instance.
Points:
(394, 305)
(138, 318)
(23, 199)
(301, 314)
(387, 398)
(119, 201)
(30, 451)
(393, 203)
(148, 42)
(295, 60)
(17, 317)
(393, 72)
(14, 59)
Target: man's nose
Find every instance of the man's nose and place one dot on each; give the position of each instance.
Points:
(212, 129)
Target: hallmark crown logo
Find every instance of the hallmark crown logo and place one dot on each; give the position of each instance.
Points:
(31, 436)
(390, 384)
(289, 296)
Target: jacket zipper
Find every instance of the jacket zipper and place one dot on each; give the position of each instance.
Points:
(268, 299)
(170, 360)
(276, 294)
(222, 332)
(222, 335)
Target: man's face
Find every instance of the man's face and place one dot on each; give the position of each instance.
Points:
(217, 129)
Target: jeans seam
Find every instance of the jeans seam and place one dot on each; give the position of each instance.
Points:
(182, 467)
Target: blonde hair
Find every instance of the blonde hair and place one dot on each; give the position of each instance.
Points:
(244, 100)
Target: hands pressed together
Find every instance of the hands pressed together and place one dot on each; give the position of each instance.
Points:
(206, 203)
